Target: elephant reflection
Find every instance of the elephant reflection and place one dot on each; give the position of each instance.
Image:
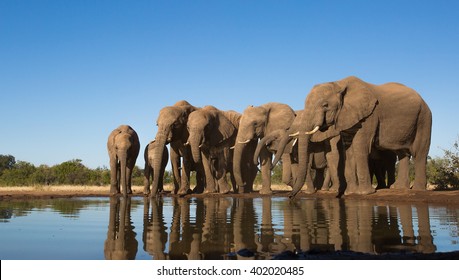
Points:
(154, 233)
(236, 228)
(121, 243)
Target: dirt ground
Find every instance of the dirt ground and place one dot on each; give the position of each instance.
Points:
(440, 197)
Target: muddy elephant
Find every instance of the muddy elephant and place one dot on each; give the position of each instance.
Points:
(255, 123)
(148, 172)
(172, 130)
(324, 158)
(123, 148)
(387, 117)
(211, 134)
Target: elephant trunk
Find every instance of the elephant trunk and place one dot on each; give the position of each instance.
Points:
(161, 141)
(237, 162)
(195, 143)
(283, 142)
(303, 162)
(313, 122)
(123, 178)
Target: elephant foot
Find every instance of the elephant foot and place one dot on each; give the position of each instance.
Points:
(333, 189)
(309, 190)
(266, 191)
(351, 189)
(419, 186)
(183, 192)
(206, 191)
(401, 185)
(366, 190)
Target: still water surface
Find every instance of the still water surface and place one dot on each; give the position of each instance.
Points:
(218, 228)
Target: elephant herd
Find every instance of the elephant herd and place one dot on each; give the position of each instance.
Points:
(348, 132)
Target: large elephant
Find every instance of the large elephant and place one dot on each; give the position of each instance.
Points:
(255, 123)
(123, 148)
(211, 134)
(148, 172)
(385, 117)
(172, 129)
(324, 158)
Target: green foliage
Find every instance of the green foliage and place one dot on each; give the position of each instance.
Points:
(444, 172)
(6, 162)
(71, 172)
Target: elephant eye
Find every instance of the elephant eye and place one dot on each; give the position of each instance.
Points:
(325, 105)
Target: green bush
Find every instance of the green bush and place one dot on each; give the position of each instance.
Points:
(444, 172)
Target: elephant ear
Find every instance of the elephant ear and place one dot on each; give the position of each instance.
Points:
(221, 130)
(358, 102)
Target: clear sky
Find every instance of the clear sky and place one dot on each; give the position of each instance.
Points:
(72, 71)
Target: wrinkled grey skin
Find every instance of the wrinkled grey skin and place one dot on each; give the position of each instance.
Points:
(148, 172)
(324, 159)
(387, 117)
(123, 148)
(172, 130)
(211, 134)
(255, 123)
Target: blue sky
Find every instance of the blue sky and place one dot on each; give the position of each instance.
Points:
(72, 71)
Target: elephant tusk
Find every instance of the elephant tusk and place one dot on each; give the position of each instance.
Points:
(200, 146)
(186, 144)
(294, 142)
(243, 142)
(312, 131)
(294, 134)
(232, 147)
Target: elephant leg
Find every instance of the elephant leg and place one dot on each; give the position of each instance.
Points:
(403, 179)
(361, 150)
(333, 164)
(420, 176)
(266, 157)
(147, 173)
(363, 171)
(350, 173)
(327, 180)
(114, 176)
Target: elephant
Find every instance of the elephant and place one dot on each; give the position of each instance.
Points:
(211, 134)
(382, 165)
(390, 116)
(324, 158)
(148, 172)
(255, 123)
(172, 130)
(123, 148)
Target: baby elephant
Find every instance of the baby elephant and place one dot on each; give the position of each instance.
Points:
(123, 148)
(148, 172)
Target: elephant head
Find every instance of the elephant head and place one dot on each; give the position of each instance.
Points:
(171, 124)
(255, 123)
(123, 148)
(208, 127)
(336, 107)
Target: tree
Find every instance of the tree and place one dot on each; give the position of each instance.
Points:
(6, 162)
(444, 172)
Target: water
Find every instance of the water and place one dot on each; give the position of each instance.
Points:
(218, 228)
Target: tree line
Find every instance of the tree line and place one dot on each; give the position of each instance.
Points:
(443, 172)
